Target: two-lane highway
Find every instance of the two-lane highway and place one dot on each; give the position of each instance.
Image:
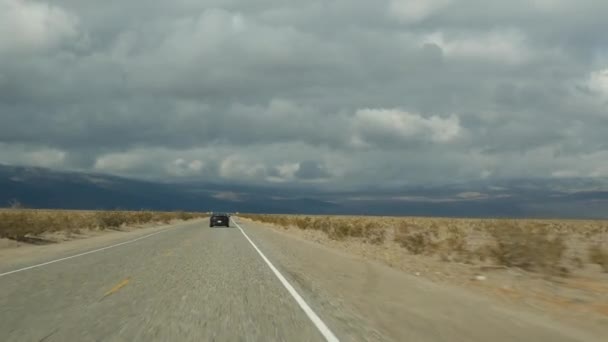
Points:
(190, 283)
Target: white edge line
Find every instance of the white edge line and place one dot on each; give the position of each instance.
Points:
(80, 254)
(322, 327)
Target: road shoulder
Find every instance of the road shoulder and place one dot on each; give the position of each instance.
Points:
(360, 297)
(15, 255)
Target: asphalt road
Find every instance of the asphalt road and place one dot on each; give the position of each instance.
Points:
(195, 283)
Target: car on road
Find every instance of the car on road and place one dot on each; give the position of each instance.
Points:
(219, 219)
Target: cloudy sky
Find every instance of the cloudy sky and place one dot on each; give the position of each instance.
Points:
(336, 94)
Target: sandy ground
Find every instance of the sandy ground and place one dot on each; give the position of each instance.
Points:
(580, 298)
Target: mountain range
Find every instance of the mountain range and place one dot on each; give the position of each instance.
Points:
(549, 198)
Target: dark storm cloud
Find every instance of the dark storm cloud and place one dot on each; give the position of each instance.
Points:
(310, 170)
(366, 93)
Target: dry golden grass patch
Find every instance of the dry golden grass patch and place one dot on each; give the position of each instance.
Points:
(21, 224)
(598, 255)
(550, 247)
(533, 248)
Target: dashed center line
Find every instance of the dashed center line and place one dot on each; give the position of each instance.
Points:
(116, 288)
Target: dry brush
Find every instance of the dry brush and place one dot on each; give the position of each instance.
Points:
(19, 224)
(551, 247)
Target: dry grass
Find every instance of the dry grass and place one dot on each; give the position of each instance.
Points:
(21, 224)
(415, 239)
(551, 247)
(598, 255)
(528, 248)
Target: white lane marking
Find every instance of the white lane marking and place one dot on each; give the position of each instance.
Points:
(80, 254)
(322, 327)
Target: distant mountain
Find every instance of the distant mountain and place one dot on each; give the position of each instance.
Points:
(45, 188)
(559, 198)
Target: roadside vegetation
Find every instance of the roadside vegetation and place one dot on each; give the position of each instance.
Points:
(26, 224)
(599, 256)
(550, 247)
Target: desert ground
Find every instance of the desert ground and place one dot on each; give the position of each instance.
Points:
(82, 275)
(559, 266)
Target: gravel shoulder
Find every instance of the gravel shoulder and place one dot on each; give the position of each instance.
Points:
(56, 245)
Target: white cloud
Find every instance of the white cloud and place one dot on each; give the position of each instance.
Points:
(196, 165)
(33, 156)
(170, 89)
(470, 195)
(241, 168)
(375, 125)
(552, 5)
(496, 46)
(598, 162)
(182, 167)
(27, 26)
(117, 162)
(411, 11)
(226, 49)
(598, 82)
(565, 174)
(285, 172)
(228, 196)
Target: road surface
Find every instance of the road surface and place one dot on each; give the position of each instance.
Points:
(189, 282)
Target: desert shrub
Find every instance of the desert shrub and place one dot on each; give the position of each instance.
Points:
(338, 230)
(260, 218)
(144, 216)
(403, 228)
(454, 248)
(456, 243)
(63, 221)
(13, 225)
(321, 223)
(374, 233)
(324, 224)
(110, 219)
(17, 224)
(577, 262)
(414, 238)
(531, 250)
(599, 256)
(483, 253)
(164, 217)
(417, 242)
(303, 222)
(357, 228)
(185, 216)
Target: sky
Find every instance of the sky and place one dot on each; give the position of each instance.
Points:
(342, 94)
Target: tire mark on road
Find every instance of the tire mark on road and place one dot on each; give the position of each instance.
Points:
(49, 335)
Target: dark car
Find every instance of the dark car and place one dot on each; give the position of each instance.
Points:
(219, 219)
